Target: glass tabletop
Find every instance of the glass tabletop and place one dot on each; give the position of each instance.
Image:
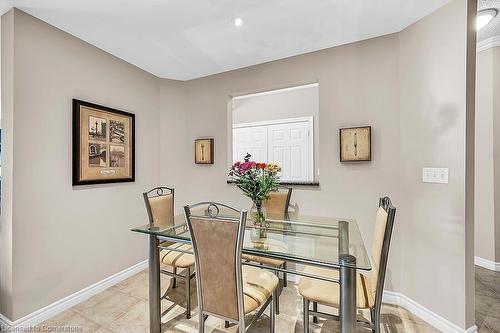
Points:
(295, 238)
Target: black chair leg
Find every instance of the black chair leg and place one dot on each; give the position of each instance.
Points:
(272, 312)
(285, 280)
(315, 309)
(174, 281)
(226, 324)
(188, 292)
(276, 300)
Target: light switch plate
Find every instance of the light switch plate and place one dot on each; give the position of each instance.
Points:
(435, 175)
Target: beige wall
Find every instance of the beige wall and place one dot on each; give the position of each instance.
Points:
(7, 78)
(432, 63)
(176, 152)
(358, 85)
(408, 86)
(469, 12)
(66, 238)
(417, 111)
(487, 227)
(496, 139)
(485, 199)
(281, 104)
(347, 97)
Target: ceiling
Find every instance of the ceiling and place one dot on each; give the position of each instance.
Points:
(187, 39)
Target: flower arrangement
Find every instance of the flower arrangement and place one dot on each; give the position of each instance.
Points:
(256, 180)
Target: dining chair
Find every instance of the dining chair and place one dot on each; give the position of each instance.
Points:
(278, 201)
(369, 288)
(160, 207)
(225, 288)
(276, 205)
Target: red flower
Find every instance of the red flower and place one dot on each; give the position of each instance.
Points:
(245, 166)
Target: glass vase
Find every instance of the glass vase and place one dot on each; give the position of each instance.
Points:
(258, 217)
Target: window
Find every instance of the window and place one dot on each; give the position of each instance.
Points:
(286, 142)
(278, 126)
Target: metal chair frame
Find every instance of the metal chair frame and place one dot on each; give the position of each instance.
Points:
(287, 203)
(288, 197)
(213, 213)
(189, 273)
(374, 323)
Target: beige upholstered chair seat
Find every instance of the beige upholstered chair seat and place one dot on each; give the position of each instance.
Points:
(328, 293)
(177, 259)
(258, 285)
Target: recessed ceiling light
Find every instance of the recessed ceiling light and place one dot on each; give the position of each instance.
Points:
(238, 21)
(484, 17)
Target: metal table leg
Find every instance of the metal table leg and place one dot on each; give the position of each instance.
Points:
(154, 286)
(347, 293)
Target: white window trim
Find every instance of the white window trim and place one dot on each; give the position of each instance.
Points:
(269, 92)
(276, 122)
(308, 119)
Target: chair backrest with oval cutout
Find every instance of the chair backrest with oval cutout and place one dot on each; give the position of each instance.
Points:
(160, 205)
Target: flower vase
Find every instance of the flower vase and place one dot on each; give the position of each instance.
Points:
(258, 216)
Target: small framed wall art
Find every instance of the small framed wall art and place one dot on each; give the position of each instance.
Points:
(204, 151)
(103, 144)
(355, 144)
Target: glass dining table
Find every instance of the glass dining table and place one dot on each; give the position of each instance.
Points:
(294, 238)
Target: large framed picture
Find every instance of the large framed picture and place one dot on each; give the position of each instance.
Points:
(103, 144)
(356, 144)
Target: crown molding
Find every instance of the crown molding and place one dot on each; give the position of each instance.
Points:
(488, 43)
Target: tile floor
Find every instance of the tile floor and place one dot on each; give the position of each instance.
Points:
(124, 308)
(487, 300)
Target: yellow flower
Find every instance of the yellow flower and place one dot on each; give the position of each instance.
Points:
(273, 167)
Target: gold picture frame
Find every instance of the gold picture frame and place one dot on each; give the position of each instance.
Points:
(204, 151)
(103, 144)
(355, 144)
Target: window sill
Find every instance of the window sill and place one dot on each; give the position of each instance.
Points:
(315, 184)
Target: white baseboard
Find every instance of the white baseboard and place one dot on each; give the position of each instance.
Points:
(442, 324)
(59, 306)
(488, 264)
(472, 329)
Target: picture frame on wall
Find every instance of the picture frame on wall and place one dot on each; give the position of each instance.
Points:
(103, 144)
(204, 151)
(355, 144)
